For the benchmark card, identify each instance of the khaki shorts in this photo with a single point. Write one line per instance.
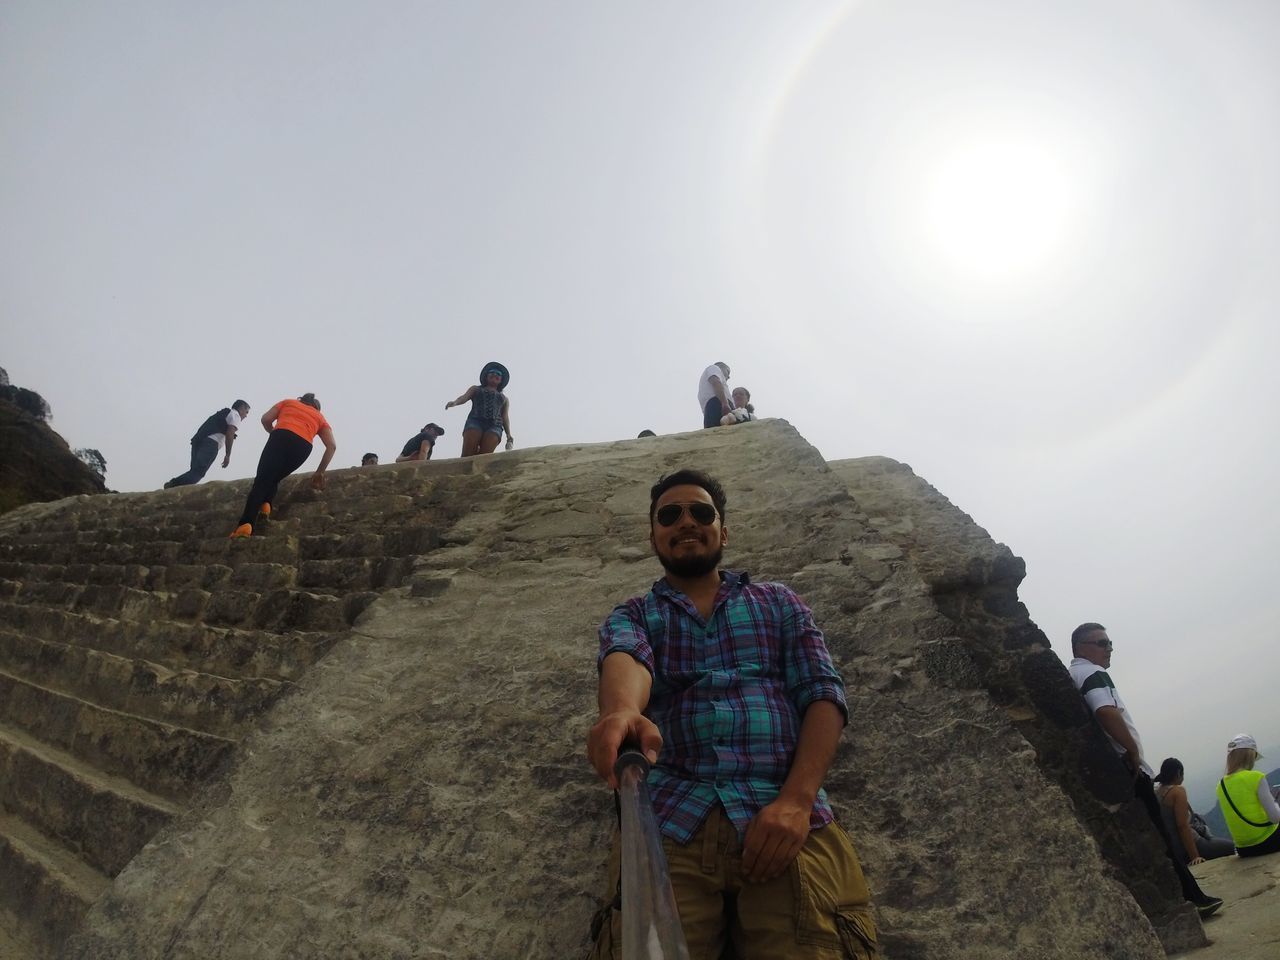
(817, 910)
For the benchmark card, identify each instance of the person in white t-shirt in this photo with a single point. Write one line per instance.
(713, 394)
(218, 429)
(1091, 657)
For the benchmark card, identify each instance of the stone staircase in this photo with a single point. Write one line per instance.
(138, 645)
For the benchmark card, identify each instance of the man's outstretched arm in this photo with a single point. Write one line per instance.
(624, 693)
(776, 834)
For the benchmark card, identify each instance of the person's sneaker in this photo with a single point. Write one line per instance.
(264, 512)
(246, 530)
(1207, 906)
(168, 484)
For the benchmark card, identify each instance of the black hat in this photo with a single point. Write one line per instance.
(495, 365)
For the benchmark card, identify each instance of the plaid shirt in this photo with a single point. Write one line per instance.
(728, 695)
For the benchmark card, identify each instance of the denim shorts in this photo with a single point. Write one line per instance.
(475, 423)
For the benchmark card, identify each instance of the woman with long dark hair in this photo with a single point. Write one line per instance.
(490, 411)
(1198, 844)
(293, 426)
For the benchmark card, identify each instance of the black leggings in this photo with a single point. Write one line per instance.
(283, 453)
(1145, 792)
(1269, 845)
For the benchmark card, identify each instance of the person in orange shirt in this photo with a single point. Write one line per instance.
(293, 425)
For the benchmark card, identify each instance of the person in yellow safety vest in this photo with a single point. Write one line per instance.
(1248, 802)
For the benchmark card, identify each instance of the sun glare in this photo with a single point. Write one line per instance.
(995, 210)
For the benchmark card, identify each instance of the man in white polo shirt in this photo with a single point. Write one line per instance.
(219, 428)
(1091, 656)
(713, 395)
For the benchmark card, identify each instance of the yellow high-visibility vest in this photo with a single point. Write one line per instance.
(1248, 826)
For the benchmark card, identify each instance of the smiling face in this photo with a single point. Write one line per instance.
(687, 547)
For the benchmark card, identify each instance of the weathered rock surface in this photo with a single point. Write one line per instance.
(1248, 925)
(36, 464)
(422, 792)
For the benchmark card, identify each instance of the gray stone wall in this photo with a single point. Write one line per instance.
(423, 790)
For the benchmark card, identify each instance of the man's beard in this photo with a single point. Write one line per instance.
(691, 566)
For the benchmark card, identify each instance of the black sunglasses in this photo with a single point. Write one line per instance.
(704, 513)
(1104, 644)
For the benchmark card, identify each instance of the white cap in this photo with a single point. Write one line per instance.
(1242, 741)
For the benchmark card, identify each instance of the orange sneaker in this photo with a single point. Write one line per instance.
(244, 530)
(265, 510)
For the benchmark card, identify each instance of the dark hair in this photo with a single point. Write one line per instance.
(1170, 771)
(436, 427)
(310, 400)
(694, 478)
(367, 457)
(645, 433)
(1079, 632)
(241, 403)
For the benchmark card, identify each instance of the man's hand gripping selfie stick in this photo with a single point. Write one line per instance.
(650, 922)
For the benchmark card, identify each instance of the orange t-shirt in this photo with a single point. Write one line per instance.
(297, 417)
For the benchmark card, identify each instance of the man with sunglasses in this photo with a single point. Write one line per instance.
(727, 686)
(1091, 657)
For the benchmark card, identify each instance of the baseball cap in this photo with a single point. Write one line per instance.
(1242, 741)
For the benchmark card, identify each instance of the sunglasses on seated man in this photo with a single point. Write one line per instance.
(1104, 644)
(703, 513)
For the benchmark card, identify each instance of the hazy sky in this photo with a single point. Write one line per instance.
(1029, 250)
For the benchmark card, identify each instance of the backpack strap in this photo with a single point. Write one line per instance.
(1223, 785)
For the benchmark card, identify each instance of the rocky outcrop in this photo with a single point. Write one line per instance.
(36, 464)
(361, 734)
(996, 648)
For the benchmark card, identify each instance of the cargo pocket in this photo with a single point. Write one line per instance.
(857, 933)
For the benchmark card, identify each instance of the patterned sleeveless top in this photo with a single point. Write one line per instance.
(486, 405)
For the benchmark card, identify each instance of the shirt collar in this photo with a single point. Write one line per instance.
(728, 579)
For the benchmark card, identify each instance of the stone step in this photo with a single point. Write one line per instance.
(200, 701)
(44, 889)
(225, 651)
(161, 757)
(104, 820)
(99, 551)
(214, 547)
(354, 573)
(282, 607)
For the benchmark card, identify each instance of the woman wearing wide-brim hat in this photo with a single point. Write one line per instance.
(490, 411)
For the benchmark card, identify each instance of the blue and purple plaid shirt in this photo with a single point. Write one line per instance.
(728, 695)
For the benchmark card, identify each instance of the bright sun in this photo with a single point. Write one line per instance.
(995, 211)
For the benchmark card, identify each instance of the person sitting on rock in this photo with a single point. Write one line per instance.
(421, 445)
(727, 687)
(369, 460)
(1180, 819)
(742, 409)
(1248, 802)
(218, 428)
